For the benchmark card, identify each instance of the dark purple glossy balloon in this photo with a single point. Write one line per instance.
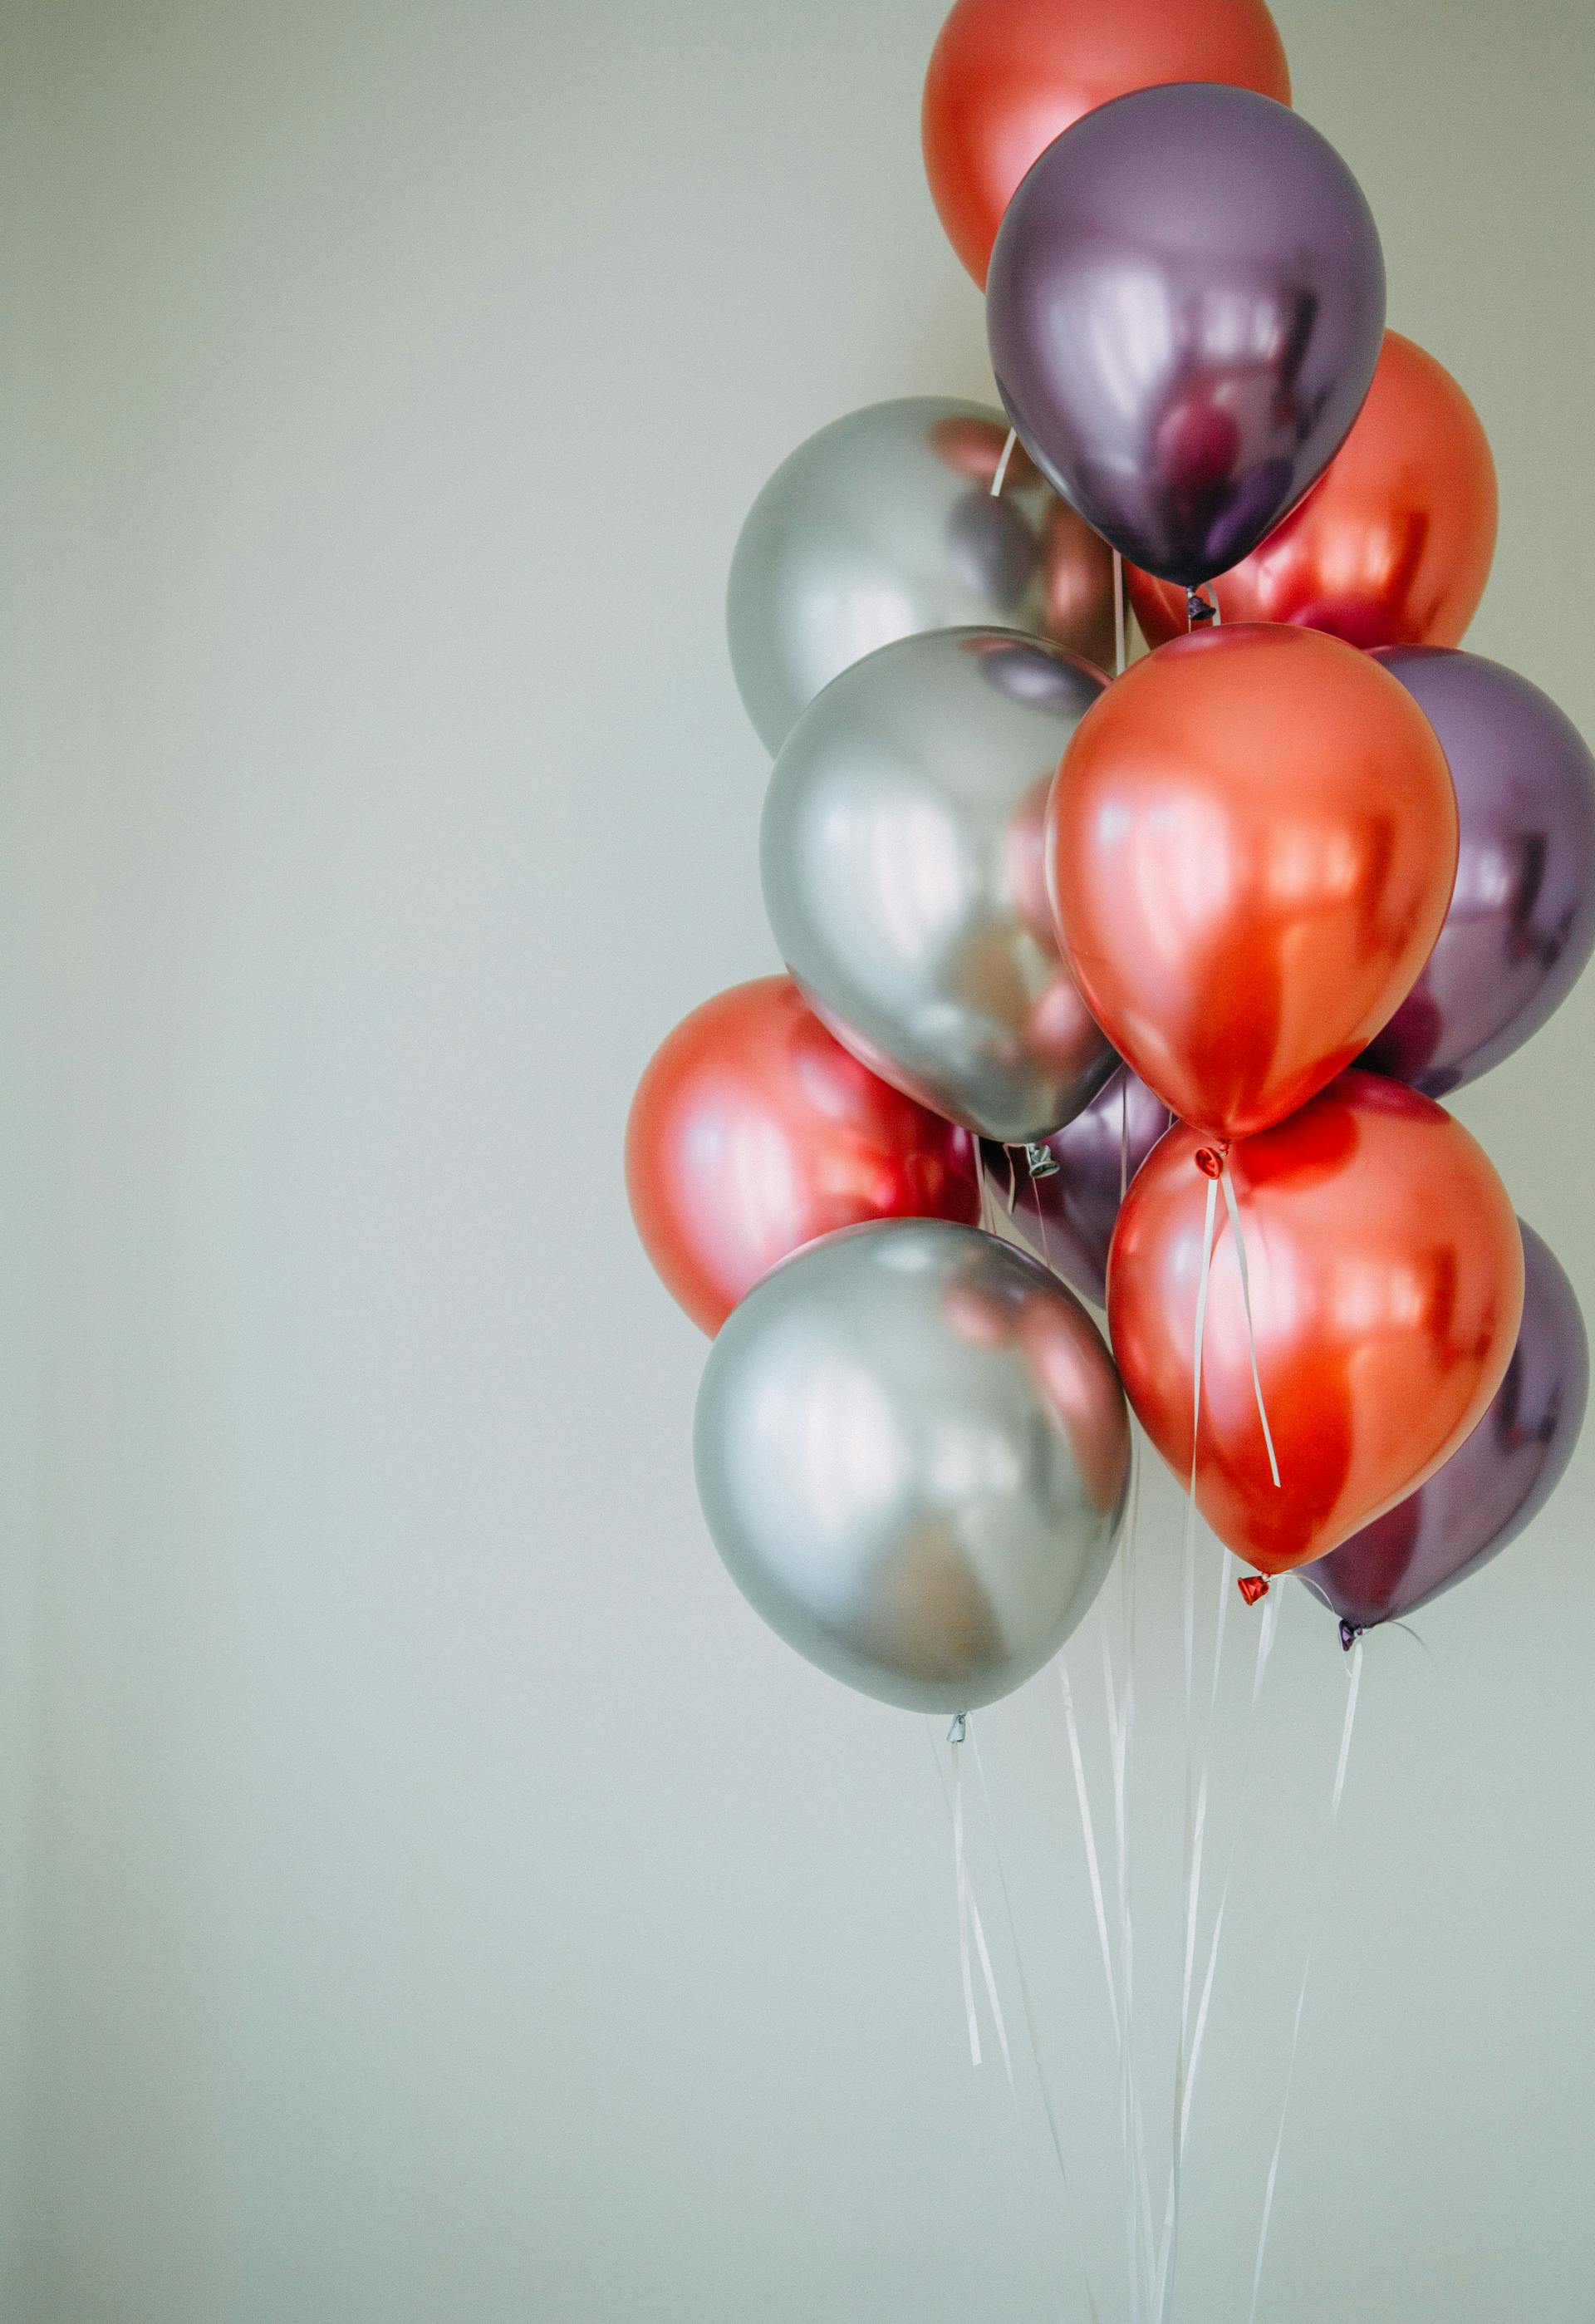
(1185, 305)
(1522, 918)
(1068, 1217)
(1499, 1478)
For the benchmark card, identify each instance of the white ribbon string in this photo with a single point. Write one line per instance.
(1133, 2131)
(1027, 2010)
(1093, 1862)
(961, 1885)
(1272, 2180)
(1170, 2242)
(1251, 1338)
(1267, 1630)
(980, 1176)
(1041, 1223)
(1118, 656)
(1001, 477)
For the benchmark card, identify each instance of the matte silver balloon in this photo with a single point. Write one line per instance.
(904, 866)
(911, 1450)
(883, 525)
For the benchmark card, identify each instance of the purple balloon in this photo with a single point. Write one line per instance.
(1499, 1478)
(1186, 304)
(1068, 1216)
(1522, 918)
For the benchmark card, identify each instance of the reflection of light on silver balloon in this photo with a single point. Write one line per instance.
(881, 526)
(835, 631)
(902, 866)
(912, 1449)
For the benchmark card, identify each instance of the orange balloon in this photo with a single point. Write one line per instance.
(1392, 547)
(1386, 1285)
(1251, 845)
(753, 1131)
(1009, 76)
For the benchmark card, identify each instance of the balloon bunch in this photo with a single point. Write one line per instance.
(1196, 949)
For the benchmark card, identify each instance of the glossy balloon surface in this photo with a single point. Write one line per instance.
(1252, 844)
(904, 867)
(1009, 76)
(1386, 1286)
(911, 1450)
(884, 525)
(753, 1131)
(1494, 1484)
(1392, 546)
(1185, 309)
(1521, 923)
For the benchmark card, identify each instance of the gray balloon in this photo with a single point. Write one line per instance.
(883, 525)
(911, 1450)
(903, 857)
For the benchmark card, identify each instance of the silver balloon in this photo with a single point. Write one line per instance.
(904, 865)
(911, 1450)
(884, 525)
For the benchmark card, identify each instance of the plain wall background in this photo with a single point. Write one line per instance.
(428, 1892)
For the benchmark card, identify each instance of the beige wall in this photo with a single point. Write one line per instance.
(427, 1891)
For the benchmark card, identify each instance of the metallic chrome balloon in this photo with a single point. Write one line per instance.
(883, 525)
(903, 858)
(911, 1450)
(1497, 1480)
(1521, 923)
(1185, 307)
(1067, 1213)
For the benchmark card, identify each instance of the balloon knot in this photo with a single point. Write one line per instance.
(1199, 609)
(1253, 1586)
(1040, 1160)
(1210, 1160)
(1349, 1637)
(959, 1729)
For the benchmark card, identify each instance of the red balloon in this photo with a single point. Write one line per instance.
(1392, 546)
(1387, 1284)
(1009, 76)
(1252, 842)
(753, 1131)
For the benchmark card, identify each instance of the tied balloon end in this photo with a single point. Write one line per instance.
(959, 1731)
(1199, 610)
(1210, 1159)
(1348, 1636)
(1253, 1586)
(1040, 1160)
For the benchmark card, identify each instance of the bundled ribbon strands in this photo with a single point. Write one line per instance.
(1126, 981)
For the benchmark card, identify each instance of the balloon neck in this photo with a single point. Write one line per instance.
(1040, 1160)
(1210, 1159)
(1253, 1586)
(1349, 1637)
(959, 1729)
(1199, 610)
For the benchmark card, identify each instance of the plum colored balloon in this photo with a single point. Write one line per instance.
(1521, 920)
(1185, 309)
(1387, 1287)
(753, 1131)
(1068, 1216)
(903, 860)
(1009, 76)
(911, 1450)
(1252, 840)
(884, 525)
(1493, 1484)
(1392, 546)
